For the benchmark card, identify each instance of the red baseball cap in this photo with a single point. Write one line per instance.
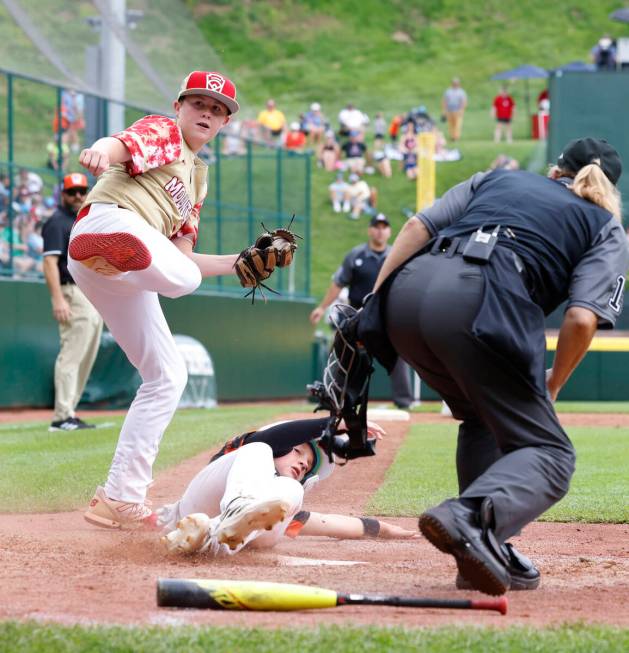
(213, 84)
(75, 180)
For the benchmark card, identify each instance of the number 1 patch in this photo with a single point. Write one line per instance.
(616, 298)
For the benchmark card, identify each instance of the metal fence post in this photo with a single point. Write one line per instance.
(217, 202)
(279, 207)
(308, 220)
(59, 137)
(249, 192)
(11, 163)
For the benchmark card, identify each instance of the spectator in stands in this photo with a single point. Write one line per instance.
(232, 142)
(330, 152)
(22, 262)
(394, 127)
(52, 149)
(72, 104)
(30, 181)
(5, 184)
(361, 197)
(315, 125)
(453, 105)
(408, 147)
(382, 158)
(503, 110)
(379, 130)
(351, 119)
(354, 150)
(80, 325)
(339, 194)
(604, 53)
(295, 139)
(272, 123)
(421, 119)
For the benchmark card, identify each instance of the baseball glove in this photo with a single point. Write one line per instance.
(256, 263)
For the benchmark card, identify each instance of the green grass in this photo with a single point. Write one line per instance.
(44, 471)
(423, 474)
(37, 638)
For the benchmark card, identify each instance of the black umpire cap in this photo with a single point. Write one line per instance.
(583, 151)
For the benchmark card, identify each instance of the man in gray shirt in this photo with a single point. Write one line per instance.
(453, 106)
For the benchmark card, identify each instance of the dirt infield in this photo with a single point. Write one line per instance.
(55, 567)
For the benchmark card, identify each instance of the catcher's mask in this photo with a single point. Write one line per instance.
(344, 390)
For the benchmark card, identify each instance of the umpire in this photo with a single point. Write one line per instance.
(80, 325)
(478, 271)
(358, 272)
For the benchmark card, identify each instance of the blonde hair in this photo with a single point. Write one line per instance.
(592, 184)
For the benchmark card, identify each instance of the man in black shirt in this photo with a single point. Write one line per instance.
(358, 272)
(80, 325)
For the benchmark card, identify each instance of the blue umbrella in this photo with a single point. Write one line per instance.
(621, 15)
(575, 67)
(525, 72)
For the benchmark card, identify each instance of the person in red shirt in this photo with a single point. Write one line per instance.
(295, 138)
(502, 110)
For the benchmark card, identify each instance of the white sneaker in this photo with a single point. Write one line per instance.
(193, 533)
(346, 207)
(337, 206)
(244, 515)
(109, 513)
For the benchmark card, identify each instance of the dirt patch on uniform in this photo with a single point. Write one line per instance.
(56, 567)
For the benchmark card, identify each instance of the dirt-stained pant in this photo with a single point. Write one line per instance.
(80, 339)
(129, 304)
(248, 471)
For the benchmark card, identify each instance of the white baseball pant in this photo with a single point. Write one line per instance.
(247, 471)
(130, 307)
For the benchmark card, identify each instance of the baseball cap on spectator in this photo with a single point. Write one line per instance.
(379, 219)
(353, 178)
(74, 180)
(315, 106)
(211, 84)
(583, 151)
(294, 126)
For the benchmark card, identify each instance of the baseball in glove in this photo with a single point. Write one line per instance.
(256, 263)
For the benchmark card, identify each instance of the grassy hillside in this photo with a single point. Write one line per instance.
(383, 56)
(390, 57)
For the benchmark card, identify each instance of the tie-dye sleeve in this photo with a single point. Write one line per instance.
(152, 141)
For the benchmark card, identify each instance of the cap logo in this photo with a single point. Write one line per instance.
(76, 178)
(214, 82)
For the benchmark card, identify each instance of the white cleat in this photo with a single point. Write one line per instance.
(244, 515)
(193, 533)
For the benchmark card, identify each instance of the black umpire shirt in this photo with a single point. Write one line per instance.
(359, 271)
(56, 235)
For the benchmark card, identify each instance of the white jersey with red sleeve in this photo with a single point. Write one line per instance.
(164, 182)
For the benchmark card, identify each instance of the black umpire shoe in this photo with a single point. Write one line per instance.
(524, 574)
(458, 530)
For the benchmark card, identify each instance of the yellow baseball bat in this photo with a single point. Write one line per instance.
(215, 594)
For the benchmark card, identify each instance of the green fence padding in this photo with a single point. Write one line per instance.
(262, 351)
(591, 104)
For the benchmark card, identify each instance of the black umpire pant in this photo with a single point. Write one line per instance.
(511, 446)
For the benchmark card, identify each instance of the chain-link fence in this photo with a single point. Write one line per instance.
(43, 127)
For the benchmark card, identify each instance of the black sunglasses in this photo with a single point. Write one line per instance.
(73, 192)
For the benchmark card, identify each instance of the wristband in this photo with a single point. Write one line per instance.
(371, 527)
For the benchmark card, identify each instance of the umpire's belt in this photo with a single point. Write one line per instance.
(455, 246)
(448, 246)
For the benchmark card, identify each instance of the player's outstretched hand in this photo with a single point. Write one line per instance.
(94, 160)
(393, 532)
